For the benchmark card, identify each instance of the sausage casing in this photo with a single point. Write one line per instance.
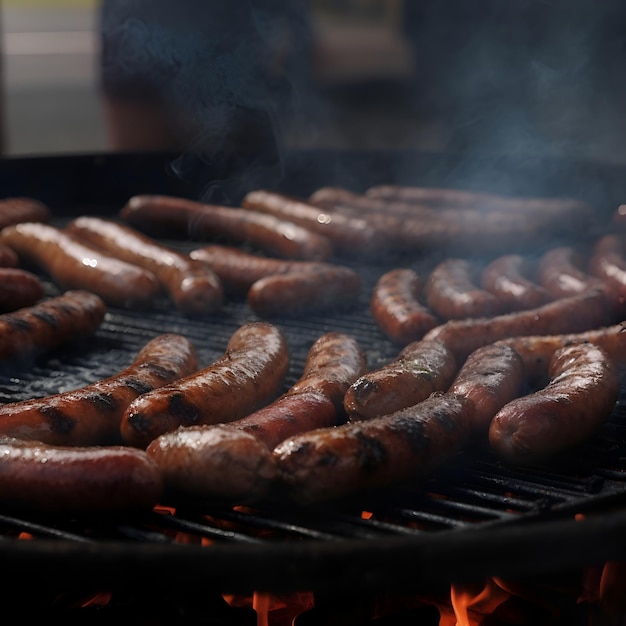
(21, 209)
(561, 271)
(19, 288)
(247, 376)
(92, 414)
(581, 394)
(420, 369)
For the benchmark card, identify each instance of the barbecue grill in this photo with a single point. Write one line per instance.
(472, 519)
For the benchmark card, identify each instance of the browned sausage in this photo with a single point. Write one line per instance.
(73, 265)
(35, 476)
(452, 291)
(50, 323)
(607, 262)
(350, 235)
(328, 463)
(324, 288)
(8, 257)
(581, 394)
(247, 376)
(420, 369)
(561, 272)
(509, 279)
(92, 414)
(585, 311)
(233, 461)
(239, 270)
(166, 215)
(193, 286)
(491, 376)
(396, 307)
(19, 288)
(17, 210)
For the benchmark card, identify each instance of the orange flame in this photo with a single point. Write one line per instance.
(470, 604)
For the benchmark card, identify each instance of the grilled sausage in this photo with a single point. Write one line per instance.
(92, 415)
(239, 270)
(194, 287)
(73, 265)
(452, 291)
(233, 461)
(508, 278)
(100, 480)
(19, 288)
(31, 331)
(17, 210)
(590, 309)
(244, 378)
(420, 369)
(349, 235)
(607, 262)
(491, 376)
(397, 309)
(561, 272)
(329, 463)
(8, 257)
(581, 394)
(166, 215)
(326, 287)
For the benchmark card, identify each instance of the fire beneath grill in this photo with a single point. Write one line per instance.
(475, 542)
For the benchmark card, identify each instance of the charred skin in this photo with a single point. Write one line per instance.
(330, 463)
(396, 307)
(452, 291)
(97, 480)
(19, 288)
(193, 286)
(561, 272)
(490, 377)
(607, 262)
(92, 414)
(73, 265)
(420, 369)
(164, 215)
(581, 394)
(326, 287)
(591, 309)
(349, 234)
(246, 377)
(50, 323)
(233, 461)
(239, 270)
(17, 210)
(508, 278)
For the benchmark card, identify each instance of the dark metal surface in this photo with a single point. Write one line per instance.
(473, 518)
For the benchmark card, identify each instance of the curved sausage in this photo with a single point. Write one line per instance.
(166, 215)
(491, 376)
(561, 272)
(8, 257)
(22, 209)
(19, 288)
(452, 291)
(590, 309)
(349, 235)
(328, 463)
(244, 378)
(233, 461)
(326, 287)
(607, 262)
(73, 265)
(397, 309)
(92, 414)
(194, 287)
(239, 270)
(581, 394)
(508, 278)
(420, 369)
(35, 476)
(50, 323)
